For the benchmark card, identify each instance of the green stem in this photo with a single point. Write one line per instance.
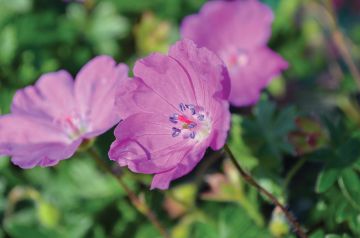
(299, 231)
(137, 202)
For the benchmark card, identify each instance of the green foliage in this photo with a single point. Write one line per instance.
(313, 167)
(226, 223)
(266, 132)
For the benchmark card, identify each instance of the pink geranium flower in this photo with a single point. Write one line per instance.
(174, 109)
(238, 32)
(49, 121)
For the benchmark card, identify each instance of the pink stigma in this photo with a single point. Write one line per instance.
(184, 119)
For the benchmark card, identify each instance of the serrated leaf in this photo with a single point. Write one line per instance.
(238, 146)
(268, 130)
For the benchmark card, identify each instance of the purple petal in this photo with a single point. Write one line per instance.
(221, 124)
(144, 143)
(212, 84)
(185, 166)
(51, 98)
(242, 23)
(166, 78)
(207, 81)
(32, 142)
(248, 81)
(188, 81)
(95, 89)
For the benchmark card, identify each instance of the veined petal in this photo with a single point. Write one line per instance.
(52, 97)
(32, 142)
(95, 89)
(166, 78)
(175, 107)
(207, 81)
(145, 144)
(44, 155)
(185, 166)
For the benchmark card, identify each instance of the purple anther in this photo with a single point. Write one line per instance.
(201, 117)
(174, 118)
(192, 135)
(192, 125)
(175, 132)
(182, 107)
(191, 108)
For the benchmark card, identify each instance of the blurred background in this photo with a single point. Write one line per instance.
(301, 141)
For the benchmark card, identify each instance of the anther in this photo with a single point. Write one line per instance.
(175, 132)
(174, 118)
(192, 135)
(201, 117)
(182, 107)
(192, 125)
(191, 108)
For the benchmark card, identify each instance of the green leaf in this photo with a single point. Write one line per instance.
(347, 154)
(267, 132)
(24, 222)
(8, 45)
(326, 179)
(317, 234)
(229, 222)
(349, 183)
(49, 215)
(238, 146)
(147, 231)
(6, 96)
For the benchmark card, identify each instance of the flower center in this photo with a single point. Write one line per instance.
(73, 126)
(235, 58)
(192, 123)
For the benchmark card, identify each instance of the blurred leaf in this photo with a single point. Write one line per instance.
(231, 188)
(349, 182)
(8, 45)
(6, 96)
(268, 132)
(348, 153)
(9, 8)
(49, 215)
(238, 146)
(317, 234)
(152, 34)
(147, 231)
(326, 179)
(228, 223)
(106, 27)
(24, 223)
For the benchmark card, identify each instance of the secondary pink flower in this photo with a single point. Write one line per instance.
(49, 121)
(238, 32)
(175, 108)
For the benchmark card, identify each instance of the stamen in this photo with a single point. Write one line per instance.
(192, 125)
(174, 118)
(175, 132)
(191, 108)
(182, 107)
